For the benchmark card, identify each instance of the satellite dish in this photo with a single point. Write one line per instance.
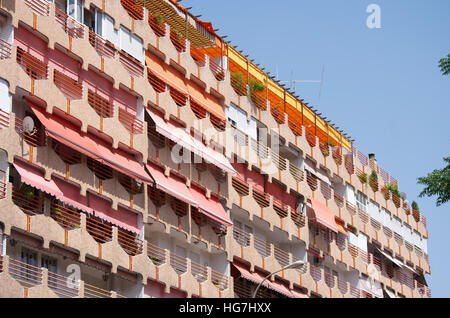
(28, 125)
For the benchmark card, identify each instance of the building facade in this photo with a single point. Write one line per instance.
(142, 155)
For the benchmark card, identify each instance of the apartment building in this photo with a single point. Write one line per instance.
(142, 155)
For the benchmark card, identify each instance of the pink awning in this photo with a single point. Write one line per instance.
(34, 178)
(70, 135)
(324, 215)
(210, 207)
(173, 186)
(185, 140)
(121, 217)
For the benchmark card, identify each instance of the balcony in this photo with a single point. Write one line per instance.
(28, 281)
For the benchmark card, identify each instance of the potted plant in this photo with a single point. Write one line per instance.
(237, 82)
(363, 178)
(373, 181)
(395, 193)
(415, 211)
(156, 22)
(386, 193)
(27, 191)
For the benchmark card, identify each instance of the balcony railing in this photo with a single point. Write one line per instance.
(156, 254)
(99, 231)
(131, 64)
(39, 7)
(103, 47)
(134, 10)
(91, 291)
(30, 203)
(158, 26)
(72, 27)
(178, 263)
(4, 119)
(62, 287)
(130, 243)
(5, 50)
(199, 272)
(34, 67)
(178, 41)
(242, 238)
(101, 105)
(134, 125)
(26, 274)
(67, 217)
(71, 88)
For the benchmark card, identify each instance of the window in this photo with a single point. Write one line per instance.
(75, 9)
(30, 259)
(361, 200)
(350, 194)
(49, 263)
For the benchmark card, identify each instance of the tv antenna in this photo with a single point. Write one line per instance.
(292, 82)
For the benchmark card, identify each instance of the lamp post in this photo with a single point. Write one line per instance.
(296, 264)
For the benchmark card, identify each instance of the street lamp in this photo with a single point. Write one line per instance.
(296, 264)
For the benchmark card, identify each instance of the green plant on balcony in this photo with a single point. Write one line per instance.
(395, 193)
(177, 40)
(373, 180)
(415, 211)
(237, 82)
(254, 86)
(329, 143)
(159, 19)
(27, 191)
(363, 178)
(386, 193)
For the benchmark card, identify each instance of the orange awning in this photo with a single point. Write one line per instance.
(341, 228)
(323, 215)
(176, 80)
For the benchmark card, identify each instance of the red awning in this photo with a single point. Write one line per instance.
(298, 294)
(121, 217)
(259, 277)
(72, 195)
(211, 207)
(173, 186)
(280, 288)
(70, 135)
(34, 178)
(253, 277)
(323, 215)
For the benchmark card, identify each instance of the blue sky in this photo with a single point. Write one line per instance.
(381, 86)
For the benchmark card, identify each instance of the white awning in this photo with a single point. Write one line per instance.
(390, 294)
(395, 261)
(185, 140)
